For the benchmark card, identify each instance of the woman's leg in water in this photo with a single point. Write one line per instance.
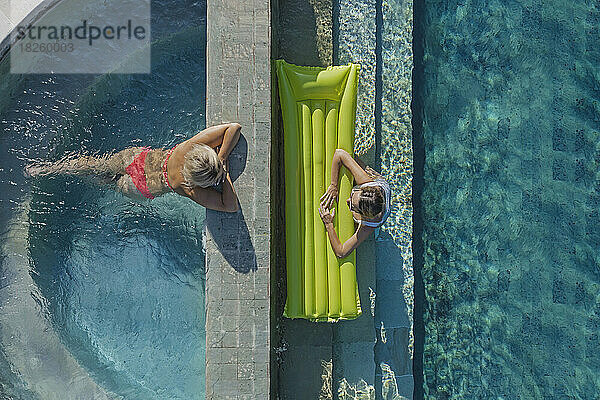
(69, 165)
(107, 168)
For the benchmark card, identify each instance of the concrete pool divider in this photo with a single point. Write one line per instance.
(238, 88)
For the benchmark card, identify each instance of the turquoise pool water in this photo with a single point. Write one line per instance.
(111, 291)
(510, 201)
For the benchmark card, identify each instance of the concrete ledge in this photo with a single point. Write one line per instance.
(237, 245)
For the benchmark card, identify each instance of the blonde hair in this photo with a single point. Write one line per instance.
(202, 167)
(370, 203)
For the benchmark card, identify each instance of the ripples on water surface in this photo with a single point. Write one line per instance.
(511, 196)
(120, 282)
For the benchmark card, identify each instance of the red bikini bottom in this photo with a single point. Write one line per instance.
(138, 175)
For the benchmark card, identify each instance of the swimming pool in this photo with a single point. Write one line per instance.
(102, 296)
(510, 199)
(370, 357)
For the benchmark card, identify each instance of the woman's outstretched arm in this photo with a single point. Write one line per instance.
(340, 249)
(341, 157)
(226, 136)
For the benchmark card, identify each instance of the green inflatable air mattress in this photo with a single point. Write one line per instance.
(319, 109)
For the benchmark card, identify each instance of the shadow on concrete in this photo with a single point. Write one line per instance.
(229, 230)
(238, 158)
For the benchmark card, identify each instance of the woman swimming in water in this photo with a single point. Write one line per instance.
(193, 168)
(369, 202)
